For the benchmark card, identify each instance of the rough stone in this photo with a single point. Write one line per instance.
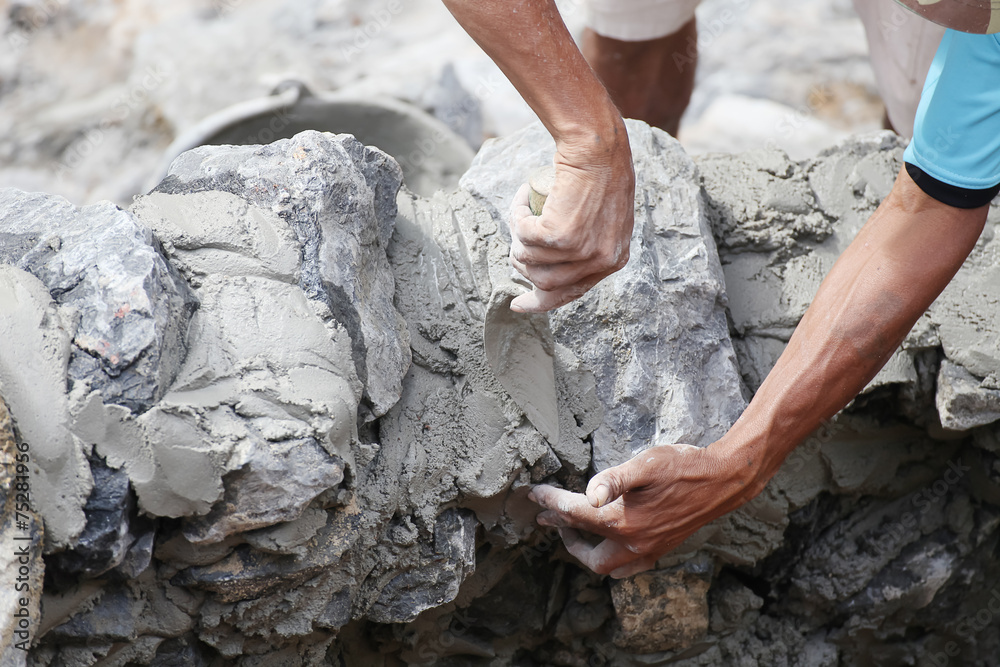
(100, 263)
(339, 199)
(456, 107)
(435, 581)
(662, 610)
(634, 330)
(962, 401)
(112, 617)
(108, 535)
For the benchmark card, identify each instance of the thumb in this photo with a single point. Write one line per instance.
(540, 301)
(610, 484)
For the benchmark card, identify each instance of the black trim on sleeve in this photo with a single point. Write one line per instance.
(952, 195)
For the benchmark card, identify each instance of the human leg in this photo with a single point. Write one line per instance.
(645, 54)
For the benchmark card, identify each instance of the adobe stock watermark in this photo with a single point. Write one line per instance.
(22, 560)
(968, 627)
(426, 147)
(898, 17)
(124, 106)
(31, 19)
(796, 119)
(377, 20)
(708, 31)
(459, 625)
(895, 533)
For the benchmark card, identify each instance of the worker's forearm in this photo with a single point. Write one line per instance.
(528, 40)
(900, 261)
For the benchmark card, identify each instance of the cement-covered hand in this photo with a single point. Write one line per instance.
(583, 233)
(644, 507)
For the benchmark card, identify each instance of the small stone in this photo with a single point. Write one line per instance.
(962, 402)
(436, 580)
(106, 538)
(275, 486)
(540, 182)
(661, 610)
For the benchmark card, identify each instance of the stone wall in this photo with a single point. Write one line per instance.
(264, 429)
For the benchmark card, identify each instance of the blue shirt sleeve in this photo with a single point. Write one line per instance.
(956, 136)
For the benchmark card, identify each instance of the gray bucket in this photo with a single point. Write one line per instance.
(432, 156)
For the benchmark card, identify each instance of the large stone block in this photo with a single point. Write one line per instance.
(339, 199)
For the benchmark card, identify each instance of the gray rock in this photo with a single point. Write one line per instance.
(436, 579)
(106, 539)
(965, 315)
(112, 618)
(454, 106)
(852, 563)
(138, 557)
(962, 401)
(634, 330)
(184, 651)
(780, 226)
(339, 198)
(99, 261)
(274, 486)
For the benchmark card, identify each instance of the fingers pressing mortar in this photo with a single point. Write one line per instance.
(606, 557)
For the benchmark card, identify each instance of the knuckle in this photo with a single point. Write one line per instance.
(566, 243)
(544, 281)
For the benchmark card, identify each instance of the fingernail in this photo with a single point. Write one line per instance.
(602, 492)
(532, 497)
(525, 303)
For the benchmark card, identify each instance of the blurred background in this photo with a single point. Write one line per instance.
(93, 93)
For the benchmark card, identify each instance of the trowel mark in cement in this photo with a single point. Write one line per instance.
(519, 348)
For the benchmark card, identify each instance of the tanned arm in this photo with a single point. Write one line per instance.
(584, 232)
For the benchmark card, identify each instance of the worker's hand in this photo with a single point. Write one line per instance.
(646, 506)
(583, 233)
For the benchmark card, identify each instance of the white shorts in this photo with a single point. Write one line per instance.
(901, 46)
(638, 20)
(900, 43)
